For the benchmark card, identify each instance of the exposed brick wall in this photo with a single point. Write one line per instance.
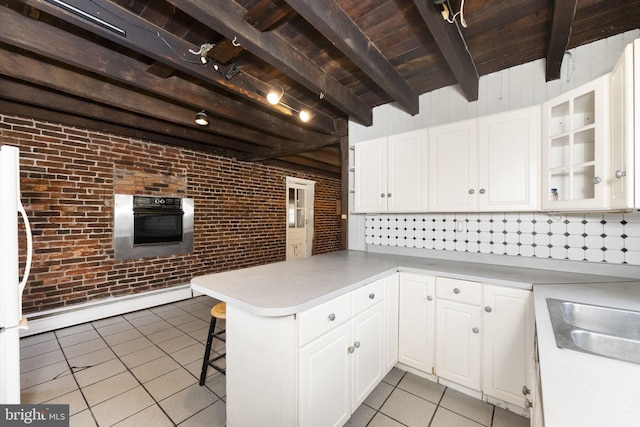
(69, 177)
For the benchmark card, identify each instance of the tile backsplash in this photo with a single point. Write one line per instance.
(610, 238)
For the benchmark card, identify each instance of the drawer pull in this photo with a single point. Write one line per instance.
(525, 390)
(487, 309)
(528, 404)
(456, 290)
(372, 295)
(475, 330)
(332, 317)
(429, 298)
(356, 344)
(351, 349)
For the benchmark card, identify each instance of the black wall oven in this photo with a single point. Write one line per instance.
(152, 226)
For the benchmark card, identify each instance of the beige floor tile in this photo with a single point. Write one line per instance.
(80, 337)
(151, 416)
(177, 343)
(194, 325)
(168, 333)
(148, 319)
(131, 346)
(91, 359)
(142, 356)
(170, 383)
(108, 321)
(213, 416)
(154, 369)
(39, 348)
(122, 406)
(361, 417)
(446, 418)
(467, 406)
(37, 362)
(82, 419)
(408, 409)
(189, 354)
(84, 348)
(188, 402)
(137, 314)
(114, 328)
(37, 339)
(110, 387)
(158, 326)
(422, 387)
(127, 335)
(99, 372)
(394, 376)
(504, 418)
(381, 420)
(44, 374)
(379, 395)
(75, 400)
(50, 390)
(182, 319)
(72, 330)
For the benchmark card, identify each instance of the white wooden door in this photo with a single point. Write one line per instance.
(508, 153)
(417, 321)
(453, 167)
(407, 172)
(324, 397)
(300, 196)
(370, 176)
(508, 335)
(367, 352)
(621, 178)
(459, 343)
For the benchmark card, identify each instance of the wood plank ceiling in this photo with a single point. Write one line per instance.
(135, 68)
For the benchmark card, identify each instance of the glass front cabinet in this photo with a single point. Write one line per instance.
(574, 149)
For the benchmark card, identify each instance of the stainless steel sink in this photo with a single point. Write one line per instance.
(604, 331)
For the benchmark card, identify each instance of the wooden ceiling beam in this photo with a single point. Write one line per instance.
(160, 45)
(563, 14)
(56, 44)
(267, 14)
(227, 18)
(334, 24)
(453, 48)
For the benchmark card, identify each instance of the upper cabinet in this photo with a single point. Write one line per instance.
(624, 114)
(574, 148)
(488, 165)
(391, 173)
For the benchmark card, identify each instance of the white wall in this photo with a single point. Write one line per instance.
(510, 89)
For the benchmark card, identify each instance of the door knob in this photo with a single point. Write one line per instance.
(487, 309)
(620, 174)
(332, 317)
(372, 295)
(475, 330)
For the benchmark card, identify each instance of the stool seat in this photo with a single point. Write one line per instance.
(218, 311)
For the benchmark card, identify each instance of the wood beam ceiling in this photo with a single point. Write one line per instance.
(563, 14)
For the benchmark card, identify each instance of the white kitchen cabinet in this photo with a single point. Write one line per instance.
(574, 158)
(391, 173)
(458, 332)
(487, 164)
(508, 336)
(624, 129)
(367, 353)
(417, 321)
(391, 295)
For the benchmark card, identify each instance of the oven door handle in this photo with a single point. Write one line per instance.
(147, 211)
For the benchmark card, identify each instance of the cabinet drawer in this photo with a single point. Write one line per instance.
(459, 290)
(322, 318)
(366, 296)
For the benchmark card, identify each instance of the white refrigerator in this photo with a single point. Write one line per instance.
(11, 288)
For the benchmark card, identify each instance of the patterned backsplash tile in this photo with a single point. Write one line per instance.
(611, 238)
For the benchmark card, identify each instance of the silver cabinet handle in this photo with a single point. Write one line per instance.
(429, 298)
(356, 344)
(351, 349)
(332, 317)
(388, 194)
(525, 390)
(475, 330)
(472, 191)
(620, 174)
(372, 295)
(528, 404)
(382, 195)
(487, 309)
(482, 191)
(456, 291)
(597, 180)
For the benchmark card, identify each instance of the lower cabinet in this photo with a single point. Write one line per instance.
(416, 321)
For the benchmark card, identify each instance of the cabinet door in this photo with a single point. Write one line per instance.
(508, 147)
(417, 321)
(574, 163)
(621, 173)
(453, 167)
(324, 397)
(391, 289)
(508, 335)
(459, 343)
(366, 352)
(407, 172)
(370, 176)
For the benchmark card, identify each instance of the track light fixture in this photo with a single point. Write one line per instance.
(201, 118)
(275, 95)
(304, 116)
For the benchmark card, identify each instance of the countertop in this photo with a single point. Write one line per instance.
(581, 389)
(288, 287)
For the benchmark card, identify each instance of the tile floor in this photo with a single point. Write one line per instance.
(141, 369)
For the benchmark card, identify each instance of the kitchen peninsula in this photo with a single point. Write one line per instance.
(284, 317)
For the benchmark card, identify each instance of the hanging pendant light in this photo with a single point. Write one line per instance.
(201, 118)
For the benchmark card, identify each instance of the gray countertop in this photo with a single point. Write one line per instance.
(288, 287)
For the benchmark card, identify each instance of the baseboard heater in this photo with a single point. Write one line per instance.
(69, 316)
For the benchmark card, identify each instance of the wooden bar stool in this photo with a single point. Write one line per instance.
(219, 311)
